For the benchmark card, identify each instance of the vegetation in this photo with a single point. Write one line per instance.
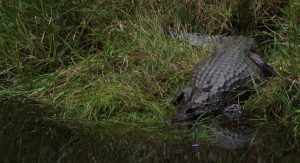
(109, 61)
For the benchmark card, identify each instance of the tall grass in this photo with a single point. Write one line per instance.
(110, 60)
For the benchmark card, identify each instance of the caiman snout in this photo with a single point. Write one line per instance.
(185, 113)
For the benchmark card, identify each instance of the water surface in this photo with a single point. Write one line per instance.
(29, 133)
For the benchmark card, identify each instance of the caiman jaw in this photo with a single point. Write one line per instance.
(177, 119)
(185, 114)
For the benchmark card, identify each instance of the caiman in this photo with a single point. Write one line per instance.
(219, 83)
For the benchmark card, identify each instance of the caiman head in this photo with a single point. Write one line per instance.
(187, 112)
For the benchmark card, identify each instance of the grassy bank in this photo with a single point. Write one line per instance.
(104, 61)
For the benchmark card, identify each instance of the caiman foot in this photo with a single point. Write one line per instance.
(184, 95)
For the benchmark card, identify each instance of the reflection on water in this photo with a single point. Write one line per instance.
(29, 135)
(233, 135)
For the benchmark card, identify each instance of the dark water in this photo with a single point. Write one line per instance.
(28, 134)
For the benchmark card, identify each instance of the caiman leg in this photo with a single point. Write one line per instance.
(233, 111)
(258, 60)
(185, 95)
(197, 39)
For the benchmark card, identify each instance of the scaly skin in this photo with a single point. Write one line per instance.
(218, 83)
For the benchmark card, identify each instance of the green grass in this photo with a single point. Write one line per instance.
(110, 61)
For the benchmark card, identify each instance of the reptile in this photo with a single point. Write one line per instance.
(219, 83)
